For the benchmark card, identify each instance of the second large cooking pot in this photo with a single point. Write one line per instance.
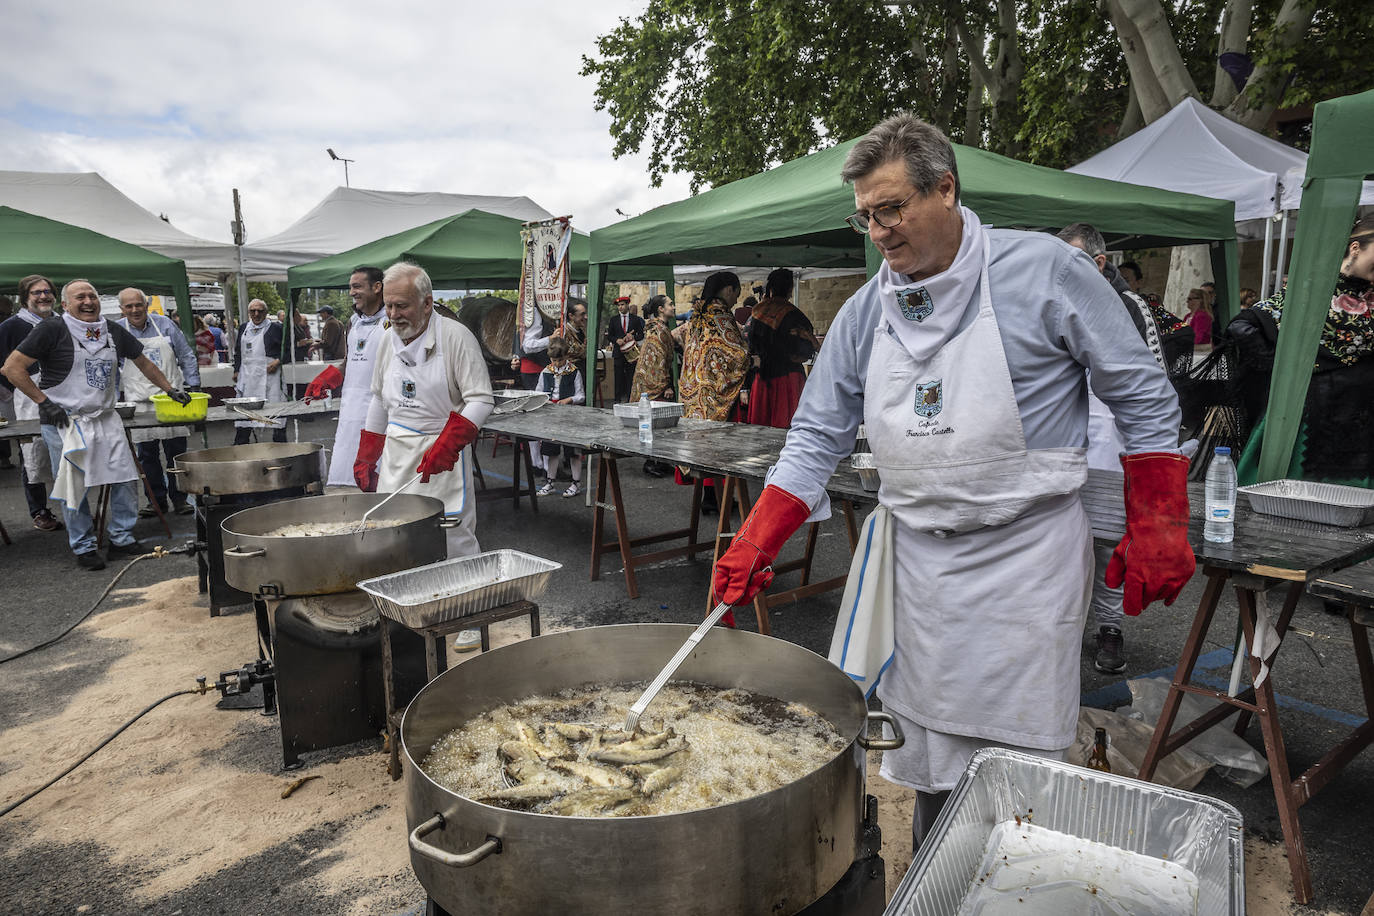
(257, 561)
(238, 469)
(773, 854)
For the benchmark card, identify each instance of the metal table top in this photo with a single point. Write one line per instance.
(145, 419)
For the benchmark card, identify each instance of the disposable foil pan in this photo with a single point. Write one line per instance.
(665, 413)
(868, 472)
(450, 589)
(1312, 501)
(1198, 833)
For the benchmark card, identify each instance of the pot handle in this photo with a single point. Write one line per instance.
(882, 744)
(455, 859)
(274, 467)
(174, 470)
(244, 554)
(446, 522)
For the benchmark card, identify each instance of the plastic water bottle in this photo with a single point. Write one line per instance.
(1221, 498)
(646, 420)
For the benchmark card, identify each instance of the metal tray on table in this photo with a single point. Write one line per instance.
(665, 414)
(1076, 841)
(1313, 501)
(450, 589)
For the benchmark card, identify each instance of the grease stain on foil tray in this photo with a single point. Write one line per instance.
(1035, 870)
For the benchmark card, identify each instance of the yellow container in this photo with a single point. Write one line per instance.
(168, 411)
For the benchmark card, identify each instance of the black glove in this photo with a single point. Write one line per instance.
(53, 415)
(181, 397)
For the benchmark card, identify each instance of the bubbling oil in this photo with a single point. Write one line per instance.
(739, 744)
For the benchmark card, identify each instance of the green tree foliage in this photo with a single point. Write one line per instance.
(722, 89)
(267, 292)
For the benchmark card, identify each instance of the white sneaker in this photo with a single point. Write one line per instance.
(545, 490)
(467, 640)
(572, 490)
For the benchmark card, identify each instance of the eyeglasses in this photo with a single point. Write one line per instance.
(888, 217)
(42, 294)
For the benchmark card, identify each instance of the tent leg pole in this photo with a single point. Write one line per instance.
(1268, 255)
(1282, 253)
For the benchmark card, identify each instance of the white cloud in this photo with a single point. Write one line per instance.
(177, 103)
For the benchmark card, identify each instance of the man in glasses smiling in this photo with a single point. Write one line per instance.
(965, 359)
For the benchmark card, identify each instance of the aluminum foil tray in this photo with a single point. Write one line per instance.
(450, 589)
(665, 413)
(1311, 501)
(1169, 827)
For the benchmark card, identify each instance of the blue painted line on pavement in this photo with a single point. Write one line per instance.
(1119, 693)
(500, 477)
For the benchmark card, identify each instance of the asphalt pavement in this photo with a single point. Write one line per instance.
(42, 592)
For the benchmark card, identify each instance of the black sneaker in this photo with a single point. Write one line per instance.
(131, 549)
(184, 508)
(150, 512)
(1111, 646)
(91, 560)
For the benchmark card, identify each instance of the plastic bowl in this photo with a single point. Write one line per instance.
(168, 411)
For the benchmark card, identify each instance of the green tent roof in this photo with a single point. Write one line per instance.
(32, 244)
(472, 248)
(793, 215)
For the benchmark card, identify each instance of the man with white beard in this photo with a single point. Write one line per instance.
(257, 370)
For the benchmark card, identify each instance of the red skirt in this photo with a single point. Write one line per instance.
(772, 402)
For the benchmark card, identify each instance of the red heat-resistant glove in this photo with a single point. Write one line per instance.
(370, 447)
(743, 570)
(1153, 559)
(323, 385)
(458, 433)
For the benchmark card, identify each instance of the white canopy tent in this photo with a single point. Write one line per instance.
(1200, 151)
(87, 200)
(350, 217)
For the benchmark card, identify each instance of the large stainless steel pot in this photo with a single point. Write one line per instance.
(772, 854)
(256, 561)
(239, 469)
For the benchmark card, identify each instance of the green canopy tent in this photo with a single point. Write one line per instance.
(1342, 157)
(472, 248)
(793, 215)
(32, 244)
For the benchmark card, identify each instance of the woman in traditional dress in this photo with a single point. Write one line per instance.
(654, 370)
(782, 340)
(715, 356)
(1336, 438)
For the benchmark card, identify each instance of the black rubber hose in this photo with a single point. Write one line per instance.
(103, 595)
(91, 753)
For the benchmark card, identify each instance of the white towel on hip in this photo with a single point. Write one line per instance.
(69, 479)
(863, 643)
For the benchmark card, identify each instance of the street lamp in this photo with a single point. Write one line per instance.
(337, 158)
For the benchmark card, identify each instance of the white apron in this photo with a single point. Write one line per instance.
(137, 387)
(364, 334)
(94, 450)
(37, 464)
(254, 382)
(417, 407)
(992, 555)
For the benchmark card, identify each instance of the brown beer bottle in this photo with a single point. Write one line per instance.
(1097, 760)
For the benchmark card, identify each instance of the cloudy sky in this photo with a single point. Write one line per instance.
(176, 103)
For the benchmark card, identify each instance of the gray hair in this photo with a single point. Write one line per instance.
(405, 270)
(927, 152)
(143, 297)
(1086, 236)
(70, 283)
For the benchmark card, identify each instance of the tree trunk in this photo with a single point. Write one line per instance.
(1255, 106)
(1144, 84)
(1132, 120)
(973, 113)
(1010, 67)
(1235, 36)
(949, 76)
(1160, 47)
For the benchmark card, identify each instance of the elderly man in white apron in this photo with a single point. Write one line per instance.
(37, 296)
(164, 344)
(964, 357)
(431, 392)
(257, 370)
(78, 357)
(365, 334)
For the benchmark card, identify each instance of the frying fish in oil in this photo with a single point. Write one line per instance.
(567, 754)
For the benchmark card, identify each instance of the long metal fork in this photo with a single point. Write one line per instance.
(641, 704)
(362, 526)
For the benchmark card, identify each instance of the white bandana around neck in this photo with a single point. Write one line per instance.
(90, 334)
(926, 314)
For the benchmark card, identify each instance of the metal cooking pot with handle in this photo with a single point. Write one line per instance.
(238, 469)
(773, 854)
(257, 561)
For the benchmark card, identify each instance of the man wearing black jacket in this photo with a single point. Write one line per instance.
(37, 297)
(623, 330)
